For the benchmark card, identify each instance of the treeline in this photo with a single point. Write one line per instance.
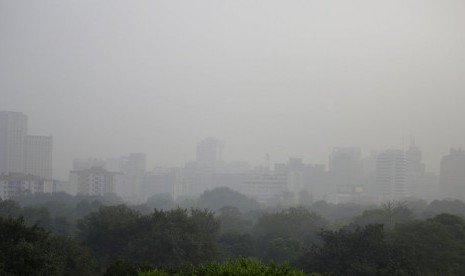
(64, 235)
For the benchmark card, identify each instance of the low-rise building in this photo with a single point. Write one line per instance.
(18, 184)
(94, 181)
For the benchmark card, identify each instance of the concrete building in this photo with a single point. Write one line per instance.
(266, 188)
(130, 177)
(413, 157)
(133, 173)
(18, 184)
(95, 181)
(452, 174)
(13, 132)
(39, 156)
(420, 184)
(390, 177)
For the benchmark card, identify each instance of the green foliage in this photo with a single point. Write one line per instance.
(108, 231)
(282, 236)
(176, 237)
(33, 251)
(364, 251)
(166, 238)
(71, 258)
(9, 208)
(240, 266)
(436, 207)
(434, 246)
(125, 268)
(233, 221)
(233, 245)
(389, 215)
(221, 197)
(23, 250)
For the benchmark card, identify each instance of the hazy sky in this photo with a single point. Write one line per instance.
(288, 78)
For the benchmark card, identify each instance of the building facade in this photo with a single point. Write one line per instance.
(17, 184)
(390, 177)
(95, 181)
(452, 175)
(39, 156)
(13, 132)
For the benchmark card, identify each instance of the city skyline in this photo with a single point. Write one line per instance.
(223, 148)
(267, 78)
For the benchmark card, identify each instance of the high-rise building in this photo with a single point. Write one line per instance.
(13, 132)
(391, 182)
(452, 174)
(39, 156)
(420, 184)
(413, 157)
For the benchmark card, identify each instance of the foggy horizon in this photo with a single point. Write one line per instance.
(292, 79)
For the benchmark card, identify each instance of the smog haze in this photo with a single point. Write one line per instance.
(283, 78)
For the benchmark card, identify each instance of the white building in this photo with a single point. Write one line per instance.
(17, 184)
(13, 131)
(266, 188)
(390, 176)
(39, 156)
(130, 178)
(93, 181)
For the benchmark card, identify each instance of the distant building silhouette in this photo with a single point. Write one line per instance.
(420, 184)
(21, 153)
(13, 132)
(452, 174)
(346, 172)
(414, 158)
(39, 156)
(209, 152)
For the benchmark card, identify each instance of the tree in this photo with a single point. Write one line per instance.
(108, 231)
(161, 238)
(220, 197)
(23, 250)
(234, 245)
(176, 237)
(30, 250)
(436, 207)
(240, 266)
(9, 208)
(389, 215)
(434, 246)
(293, 228)
(232, 221)
(363, 251)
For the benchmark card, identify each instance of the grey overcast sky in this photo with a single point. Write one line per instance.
(288, 78)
